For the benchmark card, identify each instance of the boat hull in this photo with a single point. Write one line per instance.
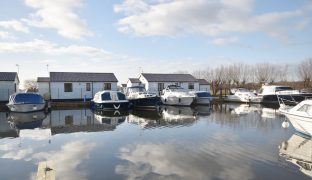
(273, 99)
(110, 106)
(148, 102)
(26, 107)
(233, 98)
(178, 101)
(302, 124)
(202, 101)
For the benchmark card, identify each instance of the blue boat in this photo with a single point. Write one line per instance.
(26, 102)
(109, 100)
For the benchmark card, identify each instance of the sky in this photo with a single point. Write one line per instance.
(127, 37)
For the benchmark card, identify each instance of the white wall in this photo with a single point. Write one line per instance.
(153, 86)
(129, 84)
(204, 88)
(79, 90)
(6, 89)
(43, 88)
(80, 117)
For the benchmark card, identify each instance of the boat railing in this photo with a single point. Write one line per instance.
(284, 101)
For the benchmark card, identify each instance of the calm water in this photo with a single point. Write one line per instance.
(231, 141)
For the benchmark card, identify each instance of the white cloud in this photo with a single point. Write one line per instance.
(49, 48)
(172, 17)
(60, 15)
(6, 35)
(225, 41)
(15, 25)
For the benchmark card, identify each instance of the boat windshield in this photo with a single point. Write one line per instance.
(203, 94)
(283, 88)
(106, 96)
(28, 98)
(121, 96)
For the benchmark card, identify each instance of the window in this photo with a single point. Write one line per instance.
(161, 86)
(68, 87)
(88, 87)
(106, 96)
(191, 86)
(121, 96)
(107, 86)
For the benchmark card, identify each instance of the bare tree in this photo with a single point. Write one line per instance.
(31, 85)
(264, 72)
(305, 72)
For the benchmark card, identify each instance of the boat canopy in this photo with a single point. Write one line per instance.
(27, 98)
(203, 94)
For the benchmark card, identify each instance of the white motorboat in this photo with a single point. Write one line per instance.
(176, 95)
(140, 98)
(202, 97)
(298, 150)
(271, 94)
(242, 95)
(26, 102)
(109, 100)
(300, 116)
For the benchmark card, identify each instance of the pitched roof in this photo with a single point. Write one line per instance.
(82, 77)
(134, 80)
(169, 77)
(8, 76)
(43, 79)
(203, 82)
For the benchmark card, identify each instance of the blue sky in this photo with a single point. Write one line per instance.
(154, 35)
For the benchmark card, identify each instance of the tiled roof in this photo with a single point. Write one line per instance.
(8, 76)
(169, 77)
(82, 77)
(203, 82)
(134, 80)
(43, 79)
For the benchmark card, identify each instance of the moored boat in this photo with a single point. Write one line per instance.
(271, 93)
(202, 97)
(26, 102)
(300, 116)
(139, 98)
(242, 95)
(109, 100)
(176, 95)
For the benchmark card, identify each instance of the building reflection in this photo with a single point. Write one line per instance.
(298, 150)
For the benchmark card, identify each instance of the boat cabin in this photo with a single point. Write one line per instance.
(109, 96)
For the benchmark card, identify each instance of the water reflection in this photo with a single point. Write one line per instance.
(298, 150)
(166, 116)
(226, 141)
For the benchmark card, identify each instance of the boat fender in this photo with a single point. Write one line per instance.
(165, 99)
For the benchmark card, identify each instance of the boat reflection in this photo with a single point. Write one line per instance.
(166, 116)
(29, 120)
(298, 150)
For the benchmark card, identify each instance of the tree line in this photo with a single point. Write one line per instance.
(252, 76)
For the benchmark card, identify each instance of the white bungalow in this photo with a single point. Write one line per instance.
(133, 82)
(9, 84)
(44, 87)
(204, 85)
(78, 85)
(157, 82)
